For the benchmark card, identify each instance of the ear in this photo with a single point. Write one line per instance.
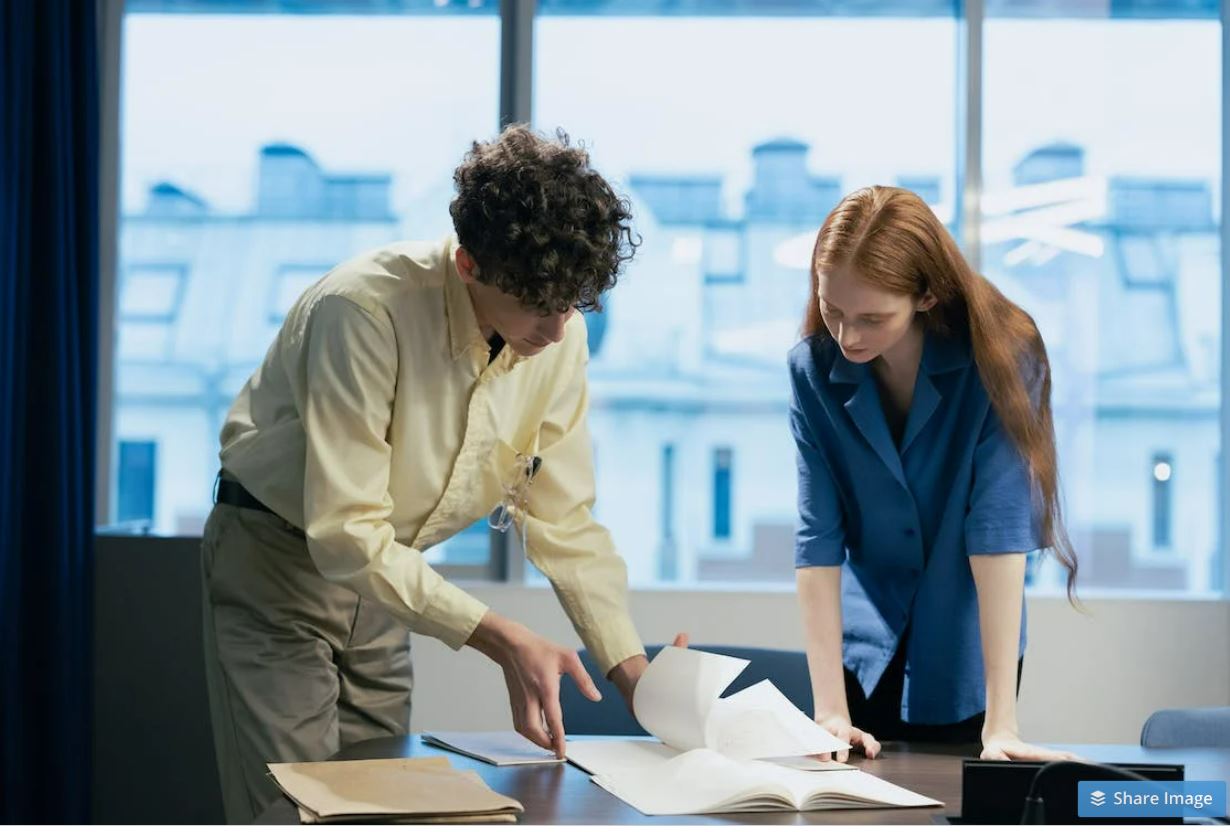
(926, 302)
(466, 267)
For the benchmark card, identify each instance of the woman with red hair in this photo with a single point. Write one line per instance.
(927, 470)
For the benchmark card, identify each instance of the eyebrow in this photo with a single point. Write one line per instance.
(830, 305)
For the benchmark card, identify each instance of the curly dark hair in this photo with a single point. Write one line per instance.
(541, 224)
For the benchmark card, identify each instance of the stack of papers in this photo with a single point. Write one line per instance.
(499, 748)
(745, 753)
(423, 790)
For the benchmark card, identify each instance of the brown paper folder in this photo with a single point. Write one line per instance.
(422, 790)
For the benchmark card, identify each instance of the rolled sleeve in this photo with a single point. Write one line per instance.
(346, 409)
(820, 538)
(1003, 516)
(566, 543)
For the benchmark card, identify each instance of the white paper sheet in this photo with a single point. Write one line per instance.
(706, 782)
(602, 756)
(676, 692)
(693, 783)
(806, 763)
(760, 722)
(677, 701)
(500, 748)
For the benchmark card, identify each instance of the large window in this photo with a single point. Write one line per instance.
(1102, 169)
(257, 152)
(734, 135)
(261, 149)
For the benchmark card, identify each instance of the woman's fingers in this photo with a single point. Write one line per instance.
(870, 745)
(1038, 753)
(846, 734)
(842, 731)
(1024, 751)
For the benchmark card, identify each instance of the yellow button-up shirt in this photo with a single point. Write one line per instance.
(378, 426)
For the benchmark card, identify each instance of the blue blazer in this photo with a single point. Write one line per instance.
(903, 521)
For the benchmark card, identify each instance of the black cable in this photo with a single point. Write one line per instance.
(1035, 806)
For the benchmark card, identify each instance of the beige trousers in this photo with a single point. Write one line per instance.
(297, 666)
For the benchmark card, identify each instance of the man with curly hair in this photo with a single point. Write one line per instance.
(409, 393)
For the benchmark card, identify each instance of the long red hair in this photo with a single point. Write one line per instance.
(890, 237)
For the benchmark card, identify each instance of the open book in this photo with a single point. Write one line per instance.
(705, 782)
(714, 755)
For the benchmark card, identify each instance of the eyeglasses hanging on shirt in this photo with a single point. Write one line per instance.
(516, 488)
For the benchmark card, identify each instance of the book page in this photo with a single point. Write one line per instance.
(806, 763)
(760, 722)
(821, 790)
(676, 692)
(697, 782)
(704, 781)
(607, 756)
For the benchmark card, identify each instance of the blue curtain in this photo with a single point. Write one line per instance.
(49, 94)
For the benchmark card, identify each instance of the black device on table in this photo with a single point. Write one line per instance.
(1000, 792)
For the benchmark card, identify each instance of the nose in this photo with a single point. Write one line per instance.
(846, 337)
(554, 325)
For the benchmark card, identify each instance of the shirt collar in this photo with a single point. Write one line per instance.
(464, 334)
(463, 331)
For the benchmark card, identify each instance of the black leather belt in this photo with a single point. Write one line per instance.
(231, 493)
(234, 494)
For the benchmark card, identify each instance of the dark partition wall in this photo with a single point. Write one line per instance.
(153, 753)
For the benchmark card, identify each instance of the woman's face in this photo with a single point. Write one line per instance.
(865, 320)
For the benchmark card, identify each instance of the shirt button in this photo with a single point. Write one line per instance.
(909, 532)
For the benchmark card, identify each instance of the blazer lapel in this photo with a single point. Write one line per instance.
(926, 400)
(940, 355)
(868, 415)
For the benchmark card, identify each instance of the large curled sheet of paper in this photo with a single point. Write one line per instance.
(678, 700)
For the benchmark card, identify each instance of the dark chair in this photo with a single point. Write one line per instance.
(786, 669)
(1187, 728)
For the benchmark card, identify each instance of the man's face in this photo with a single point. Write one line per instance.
(526, 331)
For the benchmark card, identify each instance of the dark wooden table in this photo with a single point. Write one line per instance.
(563, 793)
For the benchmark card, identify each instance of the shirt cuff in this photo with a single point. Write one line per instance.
(1000, 541)
(612, 642)
(817, 551)
(452, 616)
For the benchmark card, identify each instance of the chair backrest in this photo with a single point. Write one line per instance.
(1187, 728)
(786, 669)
